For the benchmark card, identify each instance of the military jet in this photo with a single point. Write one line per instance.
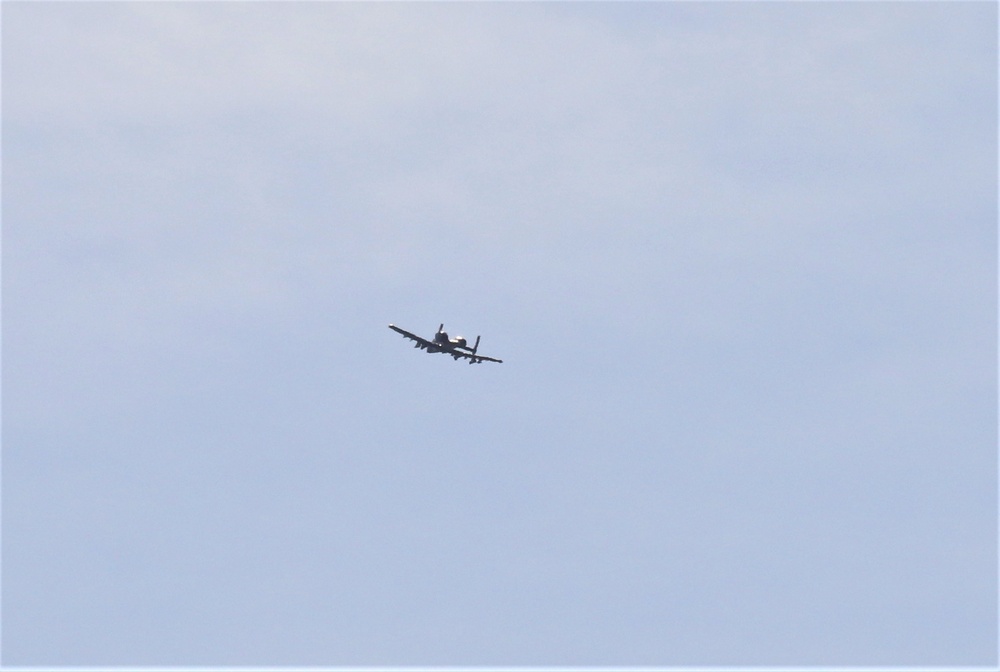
(457, 348)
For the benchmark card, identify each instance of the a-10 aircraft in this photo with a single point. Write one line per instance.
(457, 348)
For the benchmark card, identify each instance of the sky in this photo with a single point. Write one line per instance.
(740, 261)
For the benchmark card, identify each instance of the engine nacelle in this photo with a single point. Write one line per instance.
(460, 342)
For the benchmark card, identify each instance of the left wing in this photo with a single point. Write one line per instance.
(422, 343)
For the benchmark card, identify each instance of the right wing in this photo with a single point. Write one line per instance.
(422, 343)
(472, 357)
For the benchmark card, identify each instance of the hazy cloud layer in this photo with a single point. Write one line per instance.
(740, 262)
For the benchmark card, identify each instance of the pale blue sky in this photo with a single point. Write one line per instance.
(740, 262)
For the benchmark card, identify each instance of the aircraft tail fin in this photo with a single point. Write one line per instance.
(476, 346)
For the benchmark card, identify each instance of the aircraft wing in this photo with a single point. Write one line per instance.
(473, 358)
(422, 343)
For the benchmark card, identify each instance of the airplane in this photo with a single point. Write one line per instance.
(456, 348)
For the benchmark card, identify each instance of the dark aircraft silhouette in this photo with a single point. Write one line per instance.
(456, 348)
